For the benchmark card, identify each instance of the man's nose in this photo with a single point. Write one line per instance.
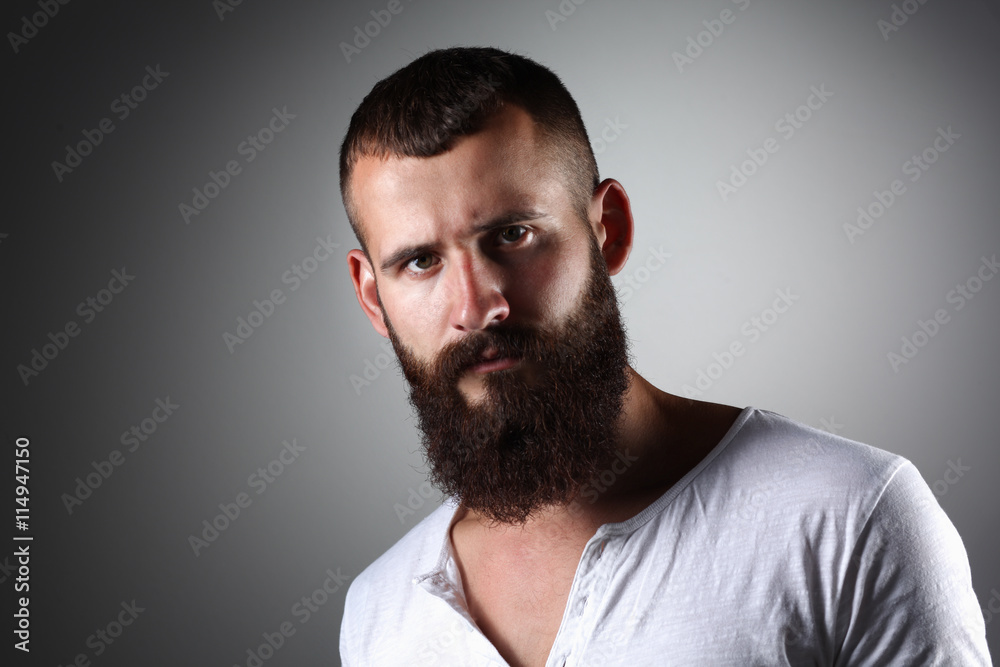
(477, 294)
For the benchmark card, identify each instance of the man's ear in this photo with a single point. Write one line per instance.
(611, 219)
(363, 277)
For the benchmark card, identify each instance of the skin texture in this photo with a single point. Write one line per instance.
(462, 269)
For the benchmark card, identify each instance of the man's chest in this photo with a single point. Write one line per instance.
(518, 599)
(593, 609)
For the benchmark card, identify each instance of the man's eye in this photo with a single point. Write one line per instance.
(422, 262)
(511, 234)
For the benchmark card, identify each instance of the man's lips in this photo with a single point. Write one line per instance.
(498, 364)
(492, 361)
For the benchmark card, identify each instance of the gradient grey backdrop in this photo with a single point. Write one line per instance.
(667, 133)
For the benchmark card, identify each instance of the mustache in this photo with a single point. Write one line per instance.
(507, 341)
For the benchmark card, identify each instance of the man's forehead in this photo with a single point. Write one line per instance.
(490, 174)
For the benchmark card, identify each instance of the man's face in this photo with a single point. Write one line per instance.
(501, 311)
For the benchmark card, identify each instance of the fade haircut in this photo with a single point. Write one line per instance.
(423, 108)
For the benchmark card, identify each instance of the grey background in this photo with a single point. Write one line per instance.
(343, 501)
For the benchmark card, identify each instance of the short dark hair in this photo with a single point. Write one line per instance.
(422, 108)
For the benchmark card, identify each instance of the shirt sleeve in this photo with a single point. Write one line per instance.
(353, 611)
(907, 596)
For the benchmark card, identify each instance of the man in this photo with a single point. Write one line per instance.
(591, 518)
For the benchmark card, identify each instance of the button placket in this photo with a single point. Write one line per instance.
(598, 576)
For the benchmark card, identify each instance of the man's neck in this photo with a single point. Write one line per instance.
(660, 438)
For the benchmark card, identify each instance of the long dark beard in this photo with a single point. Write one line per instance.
(543, 428)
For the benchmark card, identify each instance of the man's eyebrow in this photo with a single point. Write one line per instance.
(502, 220)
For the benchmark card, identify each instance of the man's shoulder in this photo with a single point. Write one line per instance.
(771, 440)
(772, 458)
(901, 573)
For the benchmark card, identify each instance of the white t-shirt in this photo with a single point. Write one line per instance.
(786, 545)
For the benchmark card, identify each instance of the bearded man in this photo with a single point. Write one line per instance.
(716, 536)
